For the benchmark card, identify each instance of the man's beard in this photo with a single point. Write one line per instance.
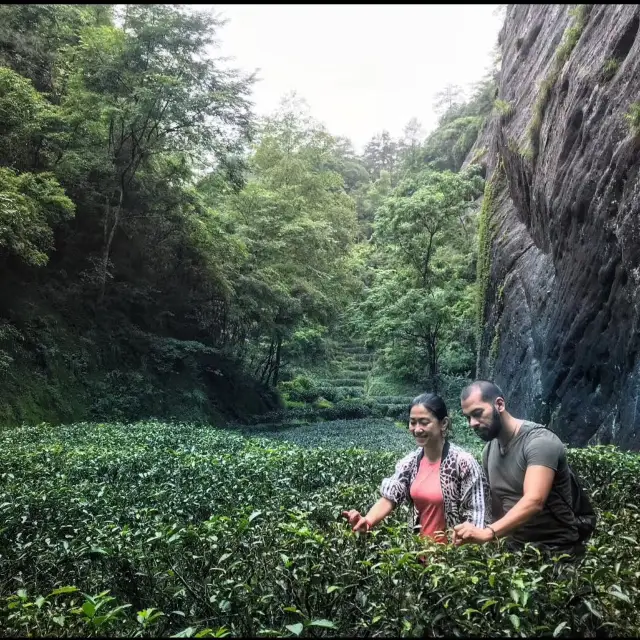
(493, 430)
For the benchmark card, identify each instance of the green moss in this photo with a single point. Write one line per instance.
(495, 342)
(504, 108)
(610, 68)
(572, 34)
(486, 231)
(633, 118)
(478, 155)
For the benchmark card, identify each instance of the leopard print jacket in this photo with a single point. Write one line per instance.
(465, 489)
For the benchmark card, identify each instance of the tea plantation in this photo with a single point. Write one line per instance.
(185, 530)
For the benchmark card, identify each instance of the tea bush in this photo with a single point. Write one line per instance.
(152, 529)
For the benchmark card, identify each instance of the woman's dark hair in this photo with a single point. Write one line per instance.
(433, 402)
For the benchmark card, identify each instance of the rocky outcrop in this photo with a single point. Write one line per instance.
(560, 302)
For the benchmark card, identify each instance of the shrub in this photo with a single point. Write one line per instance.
(300, 389)
(504, 108)
(153, 529)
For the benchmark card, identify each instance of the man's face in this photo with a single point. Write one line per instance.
(483, 417)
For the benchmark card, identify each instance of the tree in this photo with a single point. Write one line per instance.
(30, 205)
(150, 89)
(296, 224)
(380, 154)
(423, 273)
(447, 99)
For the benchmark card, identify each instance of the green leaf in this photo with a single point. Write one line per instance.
(591, 608)
(515, 621)
(327, 624)
(59, 620)
(60, 590)
(332, 588)
(617, 593)
(296, 628)
(558, 630)
(89, 609)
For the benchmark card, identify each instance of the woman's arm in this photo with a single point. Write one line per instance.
(394, 491)
(376, 514)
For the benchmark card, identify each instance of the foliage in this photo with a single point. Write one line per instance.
(633, 118)
(297, 226)
(448, 146)
(106, 125)
(422, 289)
(610, 68)
(504, 108)
(483, 264)
(30, 205)
(155, 529)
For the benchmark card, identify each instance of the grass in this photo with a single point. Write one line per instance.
(610, 68)
(504, 108)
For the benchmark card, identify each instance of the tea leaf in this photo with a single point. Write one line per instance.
(296, 628)
(327, 624)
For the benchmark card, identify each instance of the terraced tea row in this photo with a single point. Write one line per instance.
(153, 529)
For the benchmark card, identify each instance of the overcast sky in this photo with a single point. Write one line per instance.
(361, 68)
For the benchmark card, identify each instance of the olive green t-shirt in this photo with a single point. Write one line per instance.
(532, 445)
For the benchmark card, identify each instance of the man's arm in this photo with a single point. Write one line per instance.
(542, 454)
(538, 481)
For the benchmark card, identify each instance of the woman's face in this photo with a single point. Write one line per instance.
(424, 426)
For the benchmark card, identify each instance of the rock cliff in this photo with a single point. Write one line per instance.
(559, 263)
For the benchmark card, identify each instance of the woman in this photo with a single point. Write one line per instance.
(444, 484)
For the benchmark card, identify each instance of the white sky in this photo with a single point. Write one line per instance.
(361, 68)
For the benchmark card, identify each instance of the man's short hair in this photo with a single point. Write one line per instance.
(489, 391)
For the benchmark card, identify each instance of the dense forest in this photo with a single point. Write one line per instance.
(166, 253)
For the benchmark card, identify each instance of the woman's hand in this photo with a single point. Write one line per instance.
(466, 533)
(357, 521)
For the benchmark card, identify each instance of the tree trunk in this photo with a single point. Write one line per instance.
(109, 234)
(266, 370)
(433, 362)
(276, 369)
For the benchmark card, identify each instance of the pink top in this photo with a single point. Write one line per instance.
(426, 494)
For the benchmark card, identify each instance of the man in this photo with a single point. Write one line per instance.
(528, 474)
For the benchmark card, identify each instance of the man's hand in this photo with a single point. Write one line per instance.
(357, 521)
(466, 533)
